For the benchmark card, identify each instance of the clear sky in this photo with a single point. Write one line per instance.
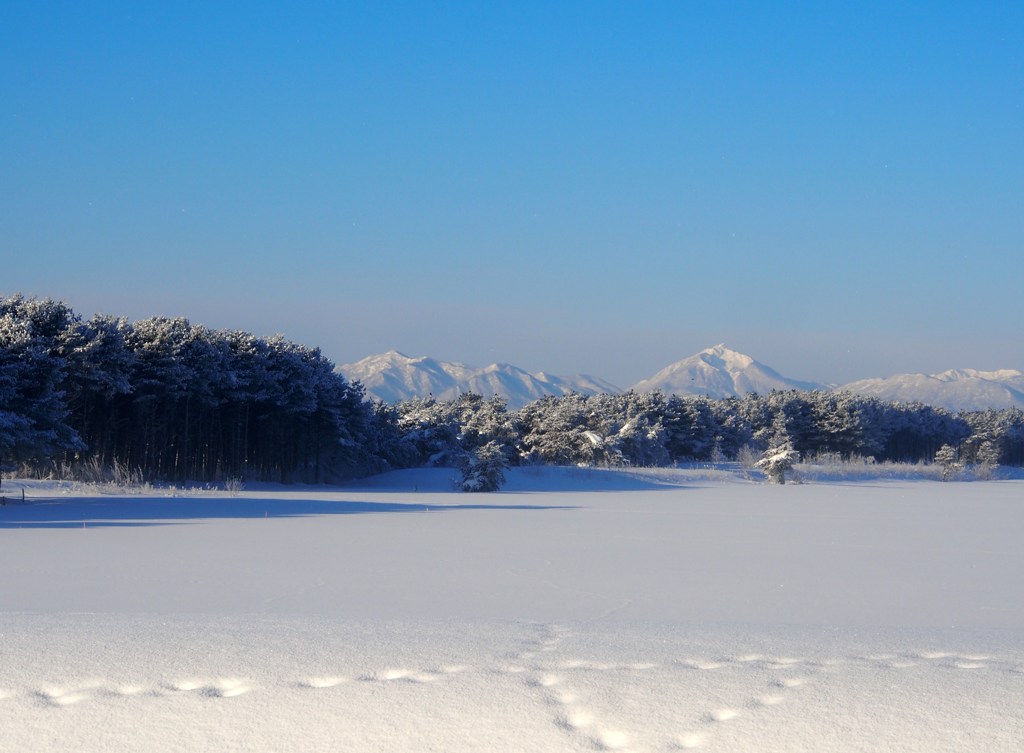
(836, 189)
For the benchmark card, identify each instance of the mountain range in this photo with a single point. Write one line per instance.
(716, 372)
(956, 389)
(393, 376)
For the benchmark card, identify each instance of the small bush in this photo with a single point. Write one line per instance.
(483, 470)
(949, 459)
(747, 457)
(777, 461)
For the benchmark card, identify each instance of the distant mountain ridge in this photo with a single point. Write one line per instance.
(394, 376)
(716, 372)
(956, 389)
(720, 372)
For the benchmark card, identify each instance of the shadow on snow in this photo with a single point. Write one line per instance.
(128, 512)
(561, 479)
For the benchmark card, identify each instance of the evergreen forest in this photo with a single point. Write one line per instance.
(169, 400)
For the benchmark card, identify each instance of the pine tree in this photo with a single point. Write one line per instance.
(483, 470)
(780, 455)
(33, 408)
(987, 458)
(949, 459)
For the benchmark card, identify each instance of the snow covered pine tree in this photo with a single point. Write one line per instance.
(483, 469)
(949, 459)
(780, 455)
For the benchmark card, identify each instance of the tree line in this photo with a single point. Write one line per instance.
(652, 429)
(173, 400)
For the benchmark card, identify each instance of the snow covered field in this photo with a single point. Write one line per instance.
(576, 610)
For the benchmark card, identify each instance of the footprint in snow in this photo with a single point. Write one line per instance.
(702, 664)
(689, 741)
(220, 688)
(575, 719)
(128, 690)
(610, 740)
(397, 674)
(968, 665)
(932, 655)
(723, 715)
(318, 683)
(60, 697)
(789, 682)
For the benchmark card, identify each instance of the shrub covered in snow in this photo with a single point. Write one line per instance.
(483, 469)
(777, 461)
(949, 459)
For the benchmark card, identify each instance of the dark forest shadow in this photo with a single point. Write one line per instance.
(129, 512)
(539, 478)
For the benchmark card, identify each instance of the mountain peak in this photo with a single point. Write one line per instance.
(719, 372)
(715, 372)
(721, 356)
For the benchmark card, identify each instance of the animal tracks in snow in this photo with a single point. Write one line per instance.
(93, 690)
(319, 683)
(590, 703)
(940, 659)
(682, 701)
(615, 705)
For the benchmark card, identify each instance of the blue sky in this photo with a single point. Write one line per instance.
(836, 189)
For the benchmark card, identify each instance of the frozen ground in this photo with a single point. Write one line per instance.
(575, 611)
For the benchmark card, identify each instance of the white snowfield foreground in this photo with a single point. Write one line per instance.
(576, 611)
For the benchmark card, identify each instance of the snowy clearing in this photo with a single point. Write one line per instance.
(577, 610)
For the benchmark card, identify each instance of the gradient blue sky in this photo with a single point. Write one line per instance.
(836, 189)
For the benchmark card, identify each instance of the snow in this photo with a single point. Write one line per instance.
(716, 372)
(579, 609)
(956, 389)
(393, 377)
(719, 372)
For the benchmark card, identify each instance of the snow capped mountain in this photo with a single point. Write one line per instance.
(393, 376)
(520, 387)
(956, 389)
(715, 372)
(720, 372)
